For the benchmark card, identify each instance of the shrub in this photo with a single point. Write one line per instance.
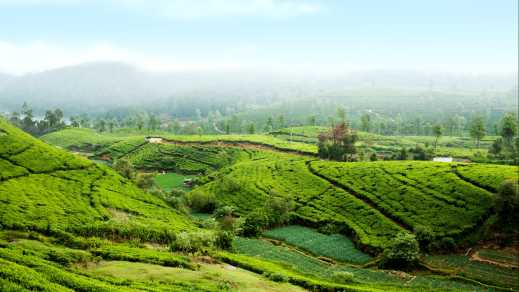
(145, 180)
(276, 277)
(224, 239)
(402, 251)
(342, 277)
(193, 242)
(278, 210)
(507, 204)
(201, 201)
(254, 223)
(424, 235)
(124, 167)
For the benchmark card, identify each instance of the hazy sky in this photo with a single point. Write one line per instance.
(477, 36)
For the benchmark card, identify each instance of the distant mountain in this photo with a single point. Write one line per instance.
(107, 85)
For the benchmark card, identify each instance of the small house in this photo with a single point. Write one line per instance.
(188, 182)
(442, 159)
(153, 140)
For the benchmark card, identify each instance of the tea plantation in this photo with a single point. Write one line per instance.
(71, 224)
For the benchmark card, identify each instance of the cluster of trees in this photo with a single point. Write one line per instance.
(338, 143)
(51, 121)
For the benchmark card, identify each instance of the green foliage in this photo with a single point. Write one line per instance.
(201, 201)
(194, 242)
(124, 167)
(145, 180)
(224, 239)
(133, 254)
(507, 205)
(334, 246)
(342, 277)
(402, 251)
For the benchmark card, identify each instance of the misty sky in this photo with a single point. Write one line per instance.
(473, 36)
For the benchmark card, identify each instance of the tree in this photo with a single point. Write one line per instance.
(402, 251)
(124, 167)
(508, 128)
(84, 121)
(111, 125)
(145, 180)
(100, 125)
(269, 126)
(341, 114)
(281, 122)
(27, 121)
(365, 121)
(312, 120)
(140, 123)
(227, 127)
(338, 143)
(74, 121)
(251, 129)
(507, 204)
(496, 147)
(437, 132)
(153, 123)
(477, 129)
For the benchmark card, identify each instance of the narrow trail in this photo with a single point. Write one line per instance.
(366, 200)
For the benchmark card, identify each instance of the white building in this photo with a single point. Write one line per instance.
(154, 140)
(442, 159)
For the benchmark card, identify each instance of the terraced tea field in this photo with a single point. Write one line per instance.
(335, 246)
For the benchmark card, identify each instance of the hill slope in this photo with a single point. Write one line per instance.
(44, 188)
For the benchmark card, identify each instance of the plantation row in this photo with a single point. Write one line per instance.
(46, 189)
(258, 255)
(373, 201)
(415, 193)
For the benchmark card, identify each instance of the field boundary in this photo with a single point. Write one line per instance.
(242, 144)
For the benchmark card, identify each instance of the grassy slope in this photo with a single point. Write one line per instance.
(374, 200)
(44, 188)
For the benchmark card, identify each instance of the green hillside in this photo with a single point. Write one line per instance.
(374, 200)
(44, 188)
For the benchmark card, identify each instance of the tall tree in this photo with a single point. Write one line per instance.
(251, 129)
(341, 114)
(437, 132)
(477, 129)
(312, 120)
(508, 128)
(365, 121)
(269, 126)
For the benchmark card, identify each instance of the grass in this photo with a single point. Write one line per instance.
(213, 277)
(334, 246)
(172, 180)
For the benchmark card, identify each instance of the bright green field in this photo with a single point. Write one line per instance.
(380, 279)
(171, 180)
(334, 246)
